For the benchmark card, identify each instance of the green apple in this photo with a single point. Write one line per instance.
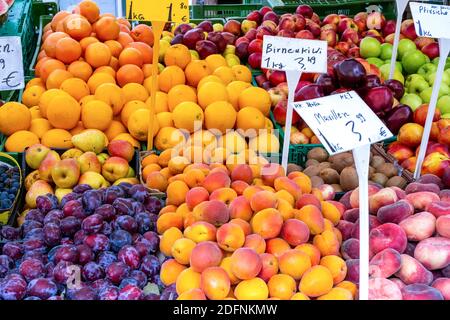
(445, 116)
(412, 100)
(412, 61)
(386, 68)
(217, 27)
(443, 104)
(426, 94)
(447, 63)
(369, 47)
(398, 65)
(414, 77)
(417, 86)
(375, 61)
(445, 78)
(404, 46)
(427, 68)
(386, 51)
(447, 72)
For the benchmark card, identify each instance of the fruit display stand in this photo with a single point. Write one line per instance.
(325, 7)
(7, 215)
(40, 8)
(222, 11)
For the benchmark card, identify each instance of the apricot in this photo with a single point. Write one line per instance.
(176, 192)
(286, 210)
(271, 171)
(267, 223)
(245, 263)
(168, 220)
(282, 286)
(193, 294)
(300, 296)
(196, 196)
(269, 266)
(308, 199)
(254, 289)
(251, 190)
(286, 196)
(263, 200)
(182, 249)
(295, 232)
(215, 283)
(214, 212)
(244, 225)
(331, 212)
(187, 280)
(337, 267)
(240, 208)
(239, 186)
(194, 177)
(327, 243)
(242, 172)
(230, 237)
(216, 180)
(170, 270)
(168, 239)
(294, 263)
(204, 255)
(312, 217)
(337, 294)
(201, 231)
(350, 286)
(226, 265)
(255, 242)
(311, 251)
(316, 282)
(226, 195)
(277, 246)
(284, 183)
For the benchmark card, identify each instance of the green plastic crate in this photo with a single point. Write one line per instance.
(41, 8)
(325, 7)
(222, 11)
(43, 21)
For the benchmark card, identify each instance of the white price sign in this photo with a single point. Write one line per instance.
(431, 20)
(342, 122)
(302, 55)
(11, 64)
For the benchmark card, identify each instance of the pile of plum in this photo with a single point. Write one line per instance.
(409, 240)
(95, 244)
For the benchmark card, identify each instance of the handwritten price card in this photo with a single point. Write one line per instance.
(302, 55)
(342, 122)
(431, 20)
(11, 64)
(158, 10)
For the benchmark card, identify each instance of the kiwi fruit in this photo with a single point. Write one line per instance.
(292, 167)
(312, 171)
(341, 161)
(379, 178)
(330, 176)
(388, 169)
(324, 165)
(396, 181)
(377, 161)
(349, 179)
(312, 162)
(316, 181)
(337, 187)
(318, 154)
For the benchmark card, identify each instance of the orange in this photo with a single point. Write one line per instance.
(129, 138)
(106, 69)
(14, 117)
(77, 28)
(31, 96)
(165, 119)
(138, 124)
(80, 69)
(220, 115)
(143, 33)
(20, 140)
(115, 47)
(114, 129)
(180, 93)
(87, 99)
(96, 115)
(188, 116)
(114, 63)
(112, 95)
(78, 129)
(49, 66)
(148, 70)
(250, 118)
(98, 54)
(66, 117)
(35, 82)
(135, 91)
(60, 16)
(234, 90)
(129, 73)
(211, 92)
(282, 286)
(124, 39)
(254, 289)
(107, 28)
(177, 55)
(98, 79)
(255, 97)
(58, 139)
(40, 126)
(129, 108)
(215, 61)
(90, 10)
(67, 50)
(161, 102)
(316, 282)
(145, 50)
(45, 99)
(211, 78)
(242, 73)
(168, 138)
(225, 74)
(131, 55)
(84, 43)
(195, 71)
(77, 88)
(124, 22)
(337, 267)
(170, 77)
(56, 78)
(49, 44)
(35, 113)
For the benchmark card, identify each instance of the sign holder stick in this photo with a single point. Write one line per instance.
(444, 49)
(401, 7)
(293, 77)
(157, 27)
(362, 158)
